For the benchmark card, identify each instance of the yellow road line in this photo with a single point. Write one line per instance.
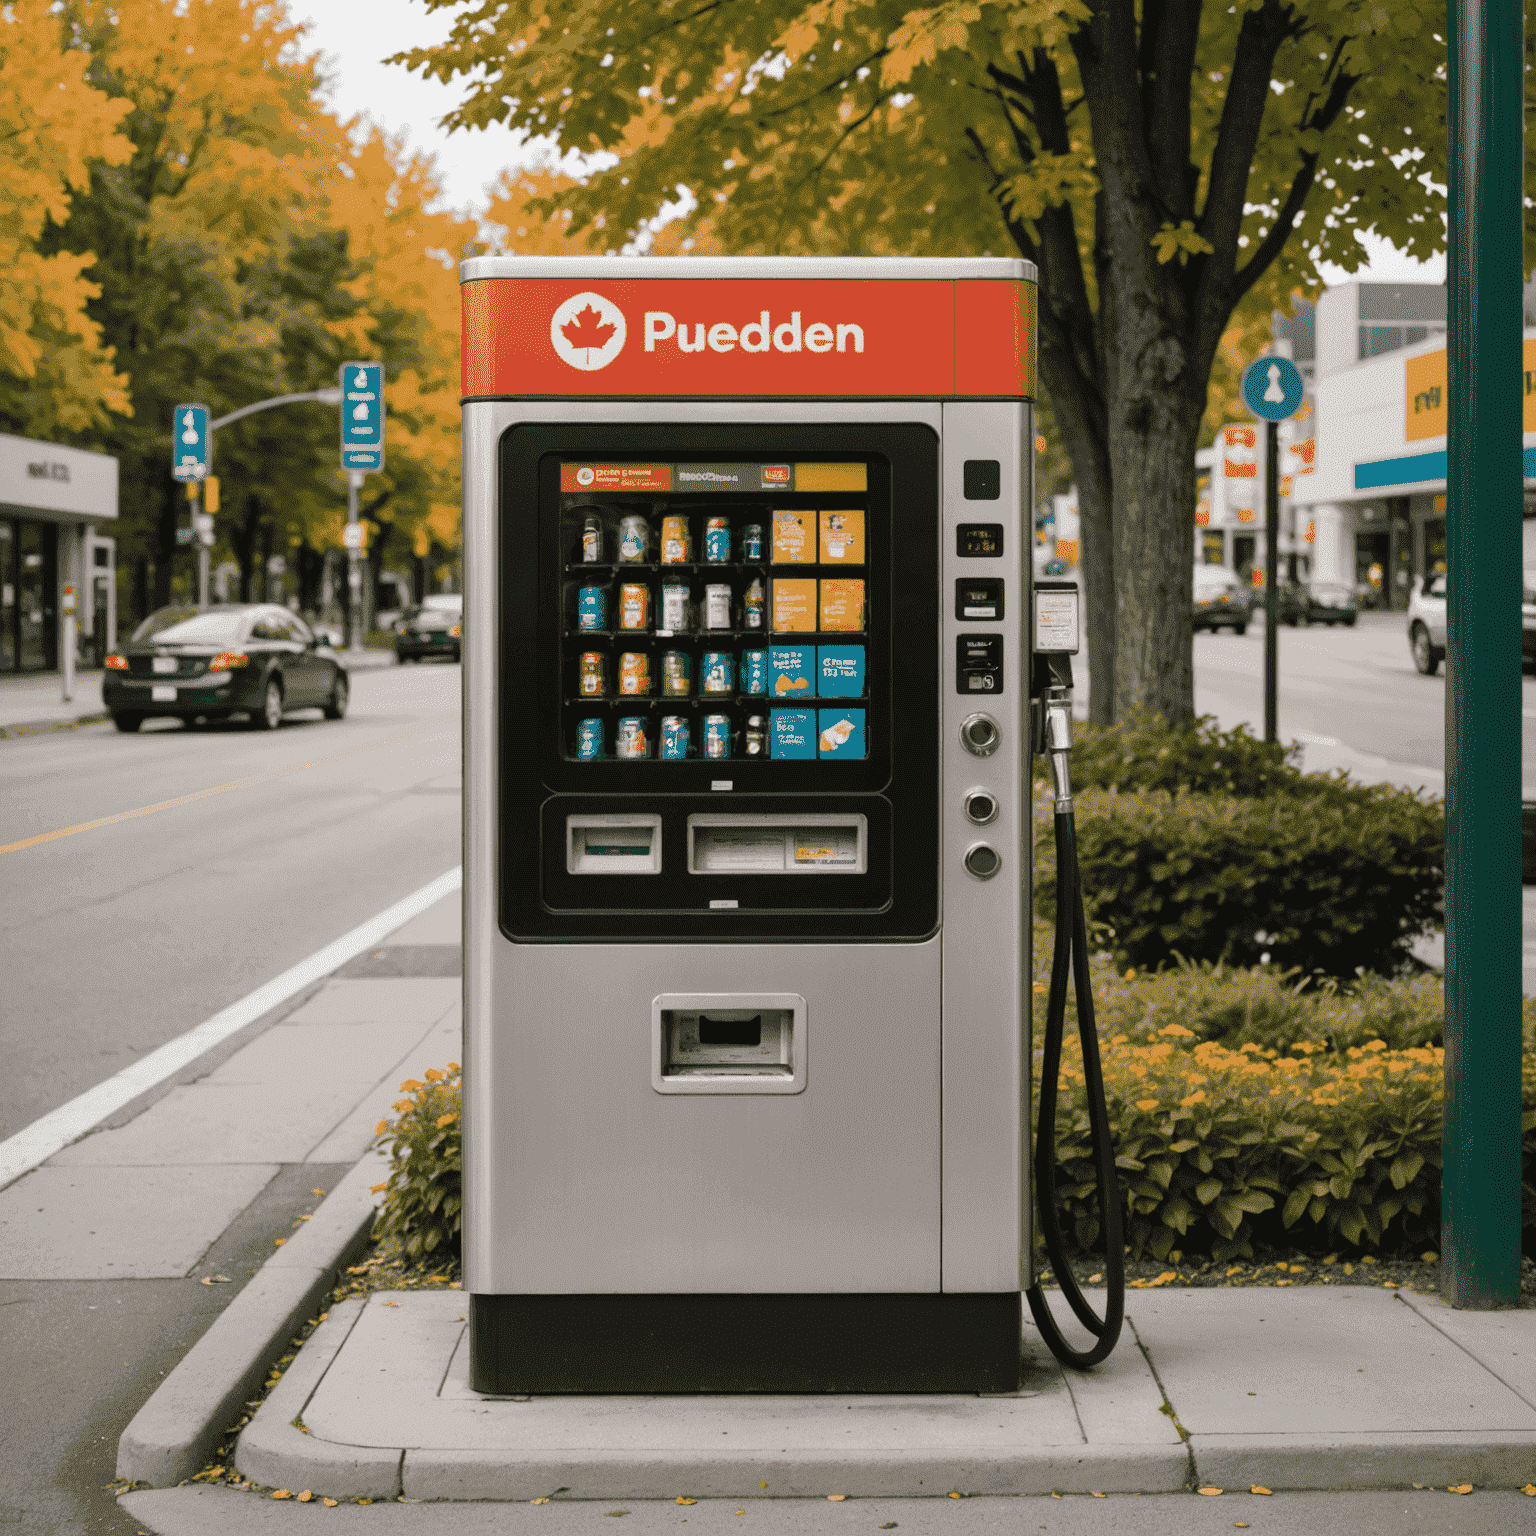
(220, 789)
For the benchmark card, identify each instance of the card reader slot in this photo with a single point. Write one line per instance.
(806, 844)
(613, 845)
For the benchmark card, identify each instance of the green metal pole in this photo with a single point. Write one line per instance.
(1480, 1235)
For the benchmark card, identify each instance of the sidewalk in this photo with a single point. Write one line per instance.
(32, 701)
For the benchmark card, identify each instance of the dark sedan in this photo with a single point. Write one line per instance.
(1329, 602)
(255, 659)
(430, 632)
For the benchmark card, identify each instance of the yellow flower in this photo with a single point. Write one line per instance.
(1177, 1031)
(1197, 1097)
(1146, 1103)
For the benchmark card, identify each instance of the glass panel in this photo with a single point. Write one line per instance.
(180, 625)
(33, 598)
(717, 611)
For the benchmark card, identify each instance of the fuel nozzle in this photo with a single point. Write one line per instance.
(1055, 695)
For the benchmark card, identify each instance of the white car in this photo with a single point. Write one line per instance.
(446, 602)
(1426, 623)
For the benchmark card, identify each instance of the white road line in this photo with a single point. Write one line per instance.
(23, 1152)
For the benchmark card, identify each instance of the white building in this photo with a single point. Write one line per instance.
(52, 499)
(1373, 510)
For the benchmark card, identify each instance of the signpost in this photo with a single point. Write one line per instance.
(1272, 390)
(362, 451)
(1480, 1187)
(190, 443)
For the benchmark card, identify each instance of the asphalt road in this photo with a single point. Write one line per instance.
(238, 855)
(241, 853)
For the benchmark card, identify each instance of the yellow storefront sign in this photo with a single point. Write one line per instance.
(1426, 395)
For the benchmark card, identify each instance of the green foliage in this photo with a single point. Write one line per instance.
(1142, 751)
(424, 1194)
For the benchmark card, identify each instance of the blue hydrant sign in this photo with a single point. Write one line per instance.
(362, 416)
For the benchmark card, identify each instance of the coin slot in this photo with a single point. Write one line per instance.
(731, 1031)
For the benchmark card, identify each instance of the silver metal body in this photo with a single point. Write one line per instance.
(898, 1161)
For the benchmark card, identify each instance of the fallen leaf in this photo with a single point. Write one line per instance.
(1529, 1490)
(319, 1192)
(682, 1500)
(329, 1503)
(1460, 1488)
(1093, 1495)
(281, 1493)
(365, 1501)
(538, 1501)
(956, 1495)
(762, 1485)
(1241, 1525)
(741, 1511)
(836, 1498)
(305, 1497)
(615, 1513)
(277, 1242)
(1054, 1494)
(1256, 1488)
(1094, 1279)
(389, 1303)
(1390, 1285)
(215, 1280)
(1210, 1492)
(890, 1525)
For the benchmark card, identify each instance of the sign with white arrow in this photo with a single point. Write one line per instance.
(189, 442)
(362, 416)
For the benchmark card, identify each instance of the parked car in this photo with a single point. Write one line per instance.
(1528, 621)
(1328, 602)
(1426, 623)
(430, 632)
(1290, 602)
(1221, 599)
(256, 659)
(445, 602)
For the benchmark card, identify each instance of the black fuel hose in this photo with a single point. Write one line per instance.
(1071, 953)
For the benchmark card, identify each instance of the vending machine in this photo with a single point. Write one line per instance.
(747, 834)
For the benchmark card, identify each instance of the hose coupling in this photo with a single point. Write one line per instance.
(1057, 731)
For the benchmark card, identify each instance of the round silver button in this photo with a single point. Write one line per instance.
(979, 734)
(981, 807)
(983, 860)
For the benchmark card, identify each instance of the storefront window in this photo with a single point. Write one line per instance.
(7, 595)
(28, 629)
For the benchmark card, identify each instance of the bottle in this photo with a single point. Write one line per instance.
(592, 540)
(752, 605)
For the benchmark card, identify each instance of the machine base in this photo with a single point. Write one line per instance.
(923, 1342)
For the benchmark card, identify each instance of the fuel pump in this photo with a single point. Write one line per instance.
(1055, 642)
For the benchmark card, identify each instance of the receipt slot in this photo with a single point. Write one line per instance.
(746, 823)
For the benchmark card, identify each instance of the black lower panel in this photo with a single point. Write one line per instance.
(924, 1342)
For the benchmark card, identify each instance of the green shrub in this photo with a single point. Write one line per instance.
(1219, 1149)
(1334, 882)
(424, 1194)
(1143, 752)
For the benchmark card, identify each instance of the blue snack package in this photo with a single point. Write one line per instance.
(840, 672)
(842, 733)
(792, 671)
(792, 733)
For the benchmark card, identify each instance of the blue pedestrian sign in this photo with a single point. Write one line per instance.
(189, 442)
(362, 416)
(1272, 388)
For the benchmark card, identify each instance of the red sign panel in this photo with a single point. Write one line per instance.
(615, 477)
(721, 338)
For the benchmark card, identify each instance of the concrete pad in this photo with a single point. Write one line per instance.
(441, 923)
(1504, 1342)
(401, 1381)
(354, 1135)
(387, 1000)
(338, 1052)
(84, 1223)
(1314, 1361)
(204, 1124)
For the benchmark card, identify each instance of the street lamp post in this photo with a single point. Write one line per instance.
(1480, 1206)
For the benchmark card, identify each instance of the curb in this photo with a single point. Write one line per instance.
(174, 1433)
(37, 727)
(276, 1453)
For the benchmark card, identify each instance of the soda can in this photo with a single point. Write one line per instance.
(754, 671)
(752, 542)
(634, 606)
(634, 673)
(717, 540)
(631, 742)
(717, 606)
(592, 540)
(589, 739)
(717, 672)
(676, 546)
(756, 741)
(717, 736)
(634, 539)
(674, 609)
(676, 738)
(594, 675)
(592, 608)
(677, 674)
